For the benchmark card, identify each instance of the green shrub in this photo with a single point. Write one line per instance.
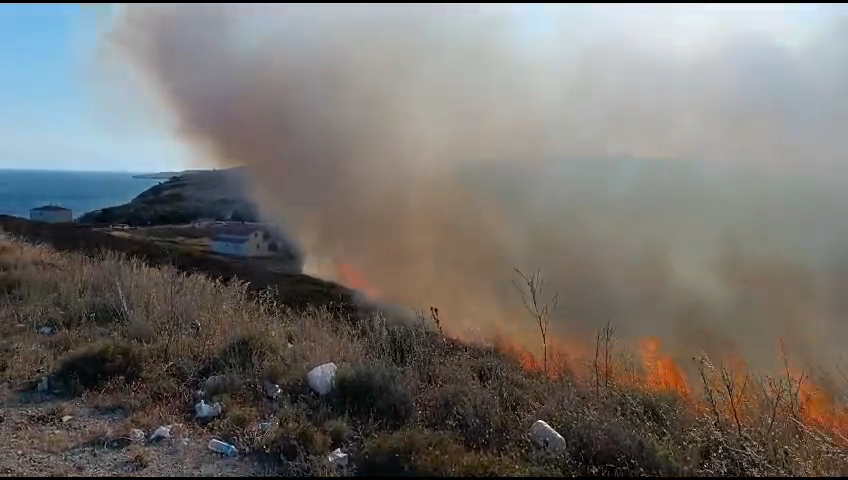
(247, 353)
(99, 363)
(474, 414)
(375, 391)
(296, 440)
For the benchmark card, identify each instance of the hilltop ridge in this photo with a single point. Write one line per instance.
(188, 196)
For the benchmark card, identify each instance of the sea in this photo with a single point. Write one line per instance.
(21, 190)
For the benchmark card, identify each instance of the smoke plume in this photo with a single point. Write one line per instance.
(677, 171)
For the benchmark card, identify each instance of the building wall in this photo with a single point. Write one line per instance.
(51, 216)
(254, 247)
(229, 248)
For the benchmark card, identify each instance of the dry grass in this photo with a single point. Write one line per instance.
(141, 341)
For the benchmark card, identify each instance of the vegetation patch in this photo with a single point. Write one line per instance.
(97, 364)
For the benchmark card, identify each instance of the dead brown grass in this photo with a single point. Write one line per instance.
(294, 290)
(141, 341)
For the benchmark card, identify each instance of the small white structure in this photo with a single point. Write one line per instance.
(51, 214)
(253, 244)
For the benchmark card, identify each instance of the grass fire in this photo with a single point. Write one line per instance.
(408, 400)
(630, 221)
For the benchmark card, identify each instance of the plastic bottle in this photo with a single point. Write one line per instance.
(223, 448)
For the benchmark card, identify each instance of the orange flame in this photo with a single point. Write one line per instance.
(661, 372)
(350, 276)
(816, 406)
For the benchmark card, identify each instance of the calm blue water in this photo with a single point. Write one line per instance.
(21, 190)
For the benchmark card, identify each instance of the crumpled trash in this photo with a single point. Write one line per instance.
(223, 448)
(47, 330)
(338, 458)
(321, 379)
(43, 385)
(161, 433)
(66, 418)
(205, 410)
(137, 435)
(272, 390)
(546, 437)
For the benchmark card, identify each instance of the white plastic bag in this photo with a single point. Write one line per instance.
(337, 457)
(546, 437)
(322, 378)
(204, 410)
(161, 433)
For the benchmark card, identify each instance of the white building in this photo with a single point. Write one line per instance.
(255, 243)
(51, 214)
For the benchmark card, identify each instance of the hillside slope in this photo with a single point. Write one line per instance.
(128, 346)
(190, 196)
(297, 291)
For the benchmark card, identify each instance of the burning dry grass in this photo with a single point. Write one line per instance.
(142, 340)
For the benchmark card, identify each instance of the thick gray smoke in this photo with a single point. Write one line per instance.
(678, 172)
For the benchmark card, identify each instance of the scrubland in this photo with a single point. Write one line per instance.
(132, 346)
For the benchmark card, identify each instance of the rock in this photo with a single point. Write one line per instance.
(322, 378)
(66, 418)
(546, 437)
(162, 432)
(137, 435)
(338, 458)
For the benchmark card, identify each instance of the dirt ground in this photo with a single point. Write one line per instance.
(44, 435)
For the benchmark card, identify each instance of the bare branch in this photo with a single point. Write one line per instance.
(532, 290)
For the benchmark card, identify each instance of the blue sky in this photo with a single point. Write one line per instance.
(57, 113)
(52, 113)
